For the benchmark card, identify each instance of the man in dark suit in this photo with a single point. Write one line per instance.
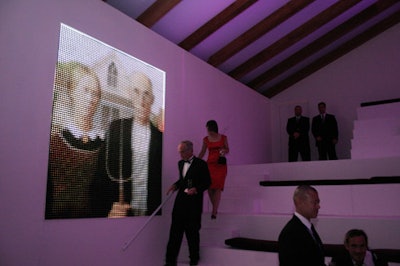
(129, 176)
(194, 179)
(357, 252)
(299, 243)
(298, 127)
(325, 130)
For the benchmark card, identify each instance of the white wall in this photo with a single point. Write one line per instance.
(196, 92)
(368, 73)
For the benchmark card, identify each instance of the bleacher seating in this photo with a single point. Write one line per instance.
(376, 131)
(363, 192)
(330, 250)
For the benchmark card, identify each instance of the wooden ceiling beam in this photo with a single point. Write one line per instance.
(334, 55)
(156, 11)
(215, 23)
(330, 37)
(293, 37)
(258, 30)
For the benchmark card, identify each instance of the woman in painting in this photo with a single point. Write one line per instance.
(74, 142)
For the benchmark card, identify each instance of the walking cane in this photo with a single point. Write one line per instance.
(126, 245)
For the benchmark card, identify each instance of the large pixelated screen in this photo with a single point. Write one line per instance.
(105, 151)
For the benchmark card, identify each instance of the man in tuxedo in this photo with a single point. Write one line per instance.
(357, 252)
(132, 154)
(325, 130)
(194, 179)
(298, 127)
(299, 243)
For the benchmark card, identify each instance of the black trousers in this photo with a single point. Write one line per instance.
(299, 147)
(326, 150)
(189, 225)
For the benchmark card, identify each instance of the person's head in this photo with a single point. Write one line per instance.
(356, 243)
(306, 201)
(140, 91)
(212, 126)
(297, 110)
(82, 87)
(185, 149)
(321, 107)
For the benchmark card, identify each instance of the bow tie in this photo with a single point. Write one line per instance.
(188, 161)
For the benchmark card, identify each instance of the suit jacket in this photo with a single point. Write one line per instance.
(327, 129)
(302, 126)
(106, 190)
(345, 260)
(297, 247)
(199, 177)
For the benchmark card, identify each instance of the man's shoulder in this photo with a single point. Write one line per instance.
(200, 164)
(198, 160)
(293, 223)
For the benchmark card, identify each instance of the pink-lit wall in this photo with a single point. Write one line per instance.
(195, 93)
(368, 73)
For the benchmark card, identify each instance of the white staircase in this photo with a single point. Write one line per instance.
(250, 210)
(377, 131)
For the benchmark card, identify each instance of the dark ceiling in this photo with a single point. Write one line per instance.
(268, 45)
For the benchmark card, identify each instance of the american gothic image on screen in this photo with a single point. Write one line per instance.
(105, 151)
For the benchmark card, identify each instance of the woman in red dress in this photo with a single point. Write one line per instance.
(217, 145)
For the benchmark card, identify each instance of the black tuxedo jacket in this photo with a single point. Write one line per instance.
(116, 154)
(327, 129)
(302, 126)
(297, 247)
(345, 260)
(197, 176)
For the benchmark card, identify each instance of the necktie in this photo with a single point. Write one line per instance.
(316, 236)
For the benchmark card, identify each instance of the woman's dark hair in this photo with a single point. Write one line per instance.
(212, 126)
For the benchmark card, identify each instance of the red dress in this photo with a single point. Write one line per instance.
(217, 171)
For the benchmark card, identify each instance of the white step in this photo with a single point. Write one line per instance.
(376, 128)
(331, 229)
(379, 111)
(212, 256)
(237, 257)
(375, 148)
(346, 200)
(337, 169)
(376, 133)
(237, 204)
